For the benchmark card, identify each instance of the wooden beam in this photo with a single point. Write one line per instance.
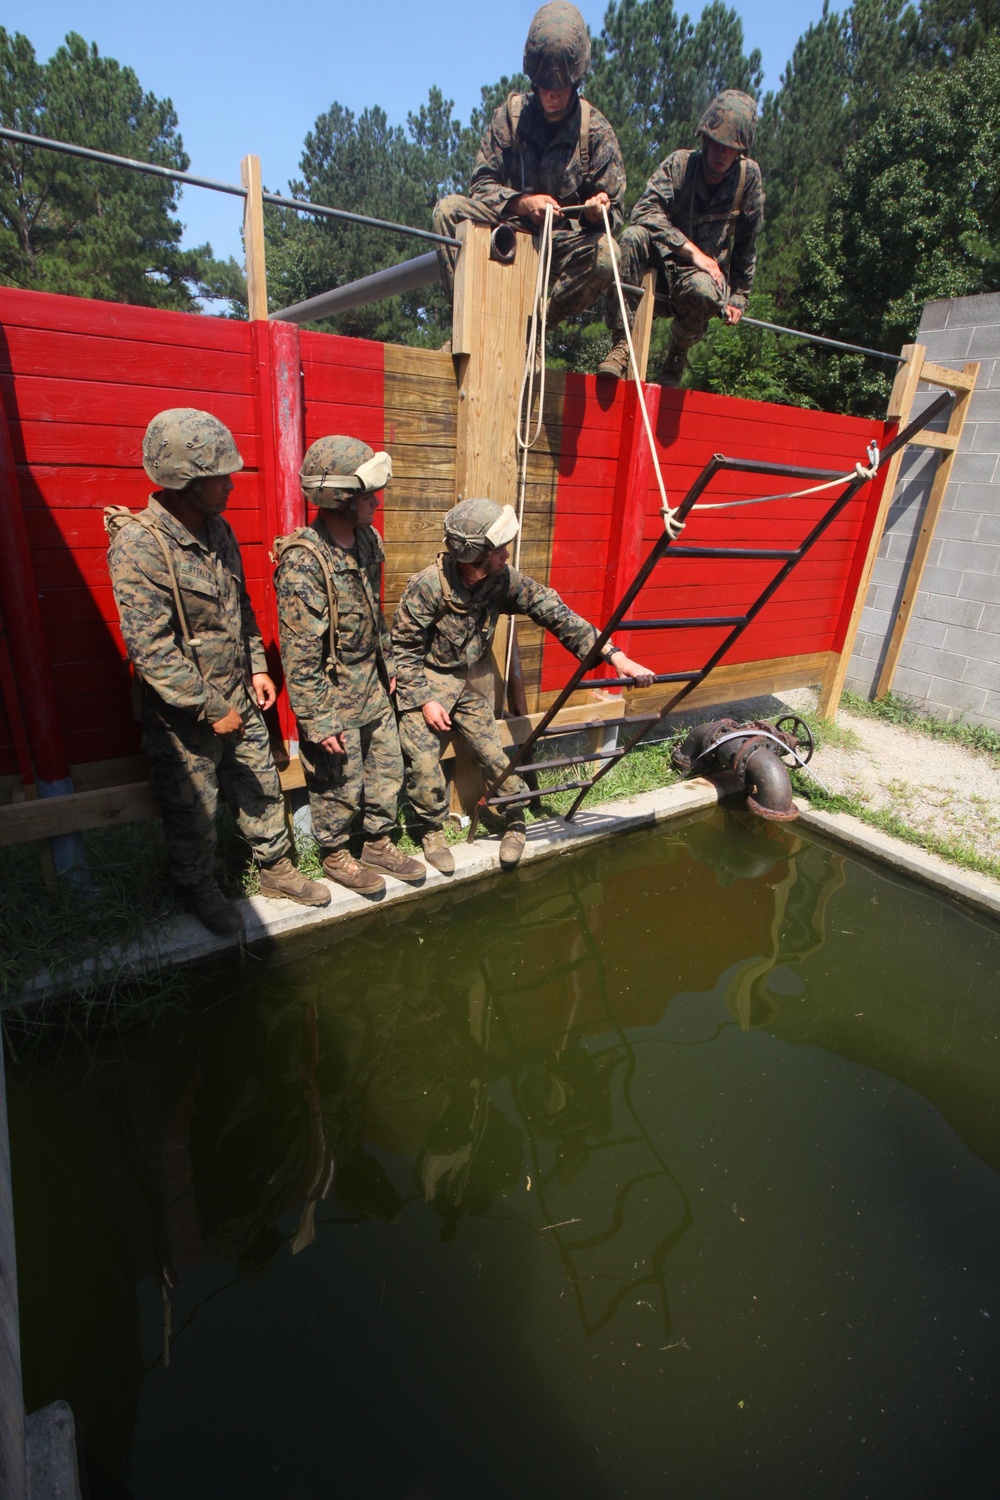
(904, 389)
(918, 561)
(46, 818)
(954, 380)
(940, 440)
(643, 327)
(750, 679)
(253, 238)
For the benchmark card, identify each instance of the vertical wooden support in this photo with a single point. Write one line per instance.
(643, 327)
(288, 418)
(13, 1467)
(915, 571)
(628, 511)
(900, 406)
(253, 237)
(490, 317)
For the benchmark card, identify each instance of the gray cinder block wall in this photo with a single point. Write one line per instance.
(950, 661)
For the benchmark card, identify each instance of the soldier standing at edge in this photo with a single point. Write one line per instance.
(196, 650)
(548, 147)
(697, 222)
(337, 656)
(442, 632)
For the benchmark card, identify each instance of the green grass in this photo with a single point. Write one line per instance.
(896, 710)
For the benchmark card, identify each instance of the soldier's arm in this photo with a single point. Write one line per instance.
(249, 629)
(655, 208)
(743, 263)
(412, 628)
(543, 605)
(304, 623)
(151, 629)
(491, 185)
(607, 170)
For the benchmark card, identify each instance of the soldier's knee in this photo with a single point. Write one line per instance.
(449, 211)
(700, 292)
(604, 261)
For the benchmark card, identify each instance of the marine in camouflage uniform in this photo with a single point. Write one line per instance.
(697, 226)
(442, 633)
(566, 152)
(190, 633)
(337, 656)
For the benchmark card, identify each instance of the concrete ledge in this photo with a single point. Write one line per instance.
(50, 1438)
(183, 940)
(979, 891)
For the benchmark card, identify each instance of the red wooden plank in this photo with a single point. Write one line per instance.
(98, 445)
(36, 398)
(103, 361)
(335, 349)
(47, 310)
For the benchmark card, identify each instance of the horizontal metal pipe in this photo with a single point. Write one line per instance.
(705, 621)
(568, 760)
(598, 724)
(545, 791)
(391, 282)
(757, 554)
(301, 205)
(608, 682)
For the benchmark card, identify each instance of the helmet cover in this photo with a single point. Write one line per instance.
(731, 120)
(337, 469)
(184, 443)
(474, 527)
(557, 51)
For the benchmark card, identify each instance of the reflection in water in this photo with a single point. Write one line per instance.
(495, 1066)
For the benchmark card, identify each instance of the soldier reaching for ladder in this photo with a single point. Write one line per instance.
(697, 224)
(549, 147)
(193, 641)
(442, 632)
(337, 656)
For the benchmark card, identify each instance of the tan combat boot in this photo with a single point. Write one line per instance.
(436, 851)
(615, 363)
(214, 910)
(512, 844)
(339, 866)
(282, 879)
(673, 367)
(382, 854)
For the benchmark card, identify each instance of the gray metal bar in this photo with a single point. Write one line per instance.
(301, 205)
(392, 282)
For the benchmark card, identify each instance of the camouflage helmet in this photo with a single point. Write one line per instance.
(731, 120)
(183, 443)
(336, 470)
(557, 52)
(474, 527)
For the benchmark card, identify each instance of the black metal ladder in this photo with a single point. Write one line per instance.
(736, 624)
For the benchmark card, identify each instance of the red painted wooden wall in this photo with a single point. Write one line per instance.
(80, 380)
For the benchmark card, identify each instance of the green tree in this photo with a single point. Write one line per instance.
(915, 216)
(68, 225)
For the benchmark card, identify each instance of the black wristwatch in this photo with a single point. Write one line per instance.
(610, 651)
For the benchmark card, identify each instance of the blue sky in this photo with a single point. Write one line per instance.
(245, 77)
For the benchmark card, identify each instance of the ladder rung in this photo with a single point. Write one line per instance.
(606, 682)
(569, 760)
(548, 791)
(773, 553)
(598, 724)
(689, 624)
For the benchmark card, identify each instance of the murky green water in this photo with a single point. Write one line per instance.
(670, 1169)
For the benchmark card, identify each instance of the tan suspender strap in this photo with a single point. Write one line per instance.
(741, 186)
(122, 515)
(585, 136)
(283, 544)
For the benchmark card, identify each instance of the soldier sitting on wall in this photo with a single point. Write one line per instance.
(191, 636)
(549, 148)
(442, 632)
(337, 656)
(697, 223)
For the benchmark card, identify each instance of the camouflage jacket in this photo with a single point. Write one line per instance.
(545, 158)
(441, 626)
(209, 573)
(329, 695)
(678, 204)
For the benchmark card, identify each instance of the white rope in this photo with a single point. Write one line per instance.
(671, 524)
(860, 471)
(536, 343)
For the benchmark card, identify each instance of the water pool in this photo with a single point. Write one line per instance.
(664, 1169)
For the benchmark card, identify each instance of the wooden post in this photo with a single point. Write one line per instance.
(963, 383)
(643, 327)
(492, 307)
(904, 389)
(253, 238)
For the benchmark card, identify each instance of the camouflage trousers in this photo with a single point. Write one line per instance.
(581, 259)
(363, 784)
(189, 764)
(693, 297)
(426, 788)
